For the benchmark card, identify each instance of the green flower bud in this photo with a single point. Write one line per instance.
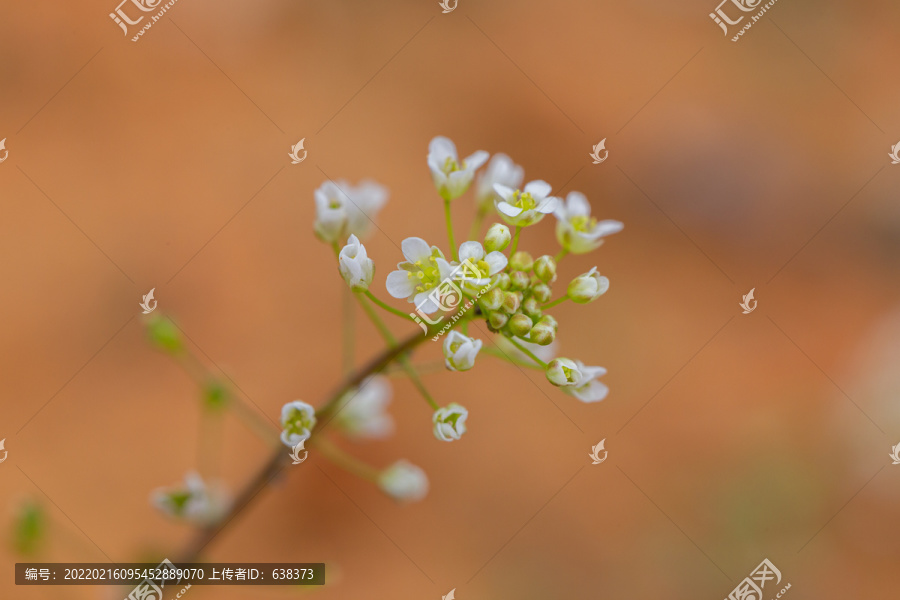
(532, 308)
(521, 261)
(541, 292)
(493, 300)
(215, 395)
(588, 287)
(497, 237)
(497, 320)
(549, 320)
(519, 280)
(28, 528)
(511, 303)
(503, 281)
(545, 268)
(542, 333)
(164, 334)
(520, 325)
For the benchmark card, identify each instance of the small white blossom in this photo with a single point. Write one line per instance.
(577, 379)
(404, 481)
(587, 287)
(452, 178)
(525, 207)
(194, 501)
(343, 209)
(355, 266)
(364, 410)
(488, 265)
(460, 351)
(415, 278)
(501, 169)
(297, 420)
(450, 422)
(576, 230)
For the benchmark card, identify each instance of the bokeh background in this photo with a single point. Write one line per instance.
(732, 438)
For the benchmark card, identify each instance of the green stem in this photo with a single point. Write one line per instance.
(403, 360)
(476, 225)
(449, 220)
(348, 325)
(515, 242)
(511, 359)
(555, 302)
(561, 255)
(387, 307)
(349, 463)
(527, 352)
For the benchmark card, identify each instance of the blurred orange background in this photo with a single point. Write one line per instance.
(732, 438)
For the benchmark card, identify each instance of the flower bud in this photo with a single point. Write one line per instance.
(404, 481)
(355, 266)
(541, 293)
(551, 321)
(588, 287)
(497, 320)
(562, 372)
(543, 333)
(532, 308)
(164, 334)
(450, 422)
(497, 237)
(503, 281)
(520, 325)
(519, 280)
(460, 351)
(511, 303)
(297, 422)
(521, 261)
(492, 300)
(545, 268)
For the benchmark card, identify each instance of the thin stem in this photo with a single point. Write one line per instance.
(476, 224)
(511, 359)
(553, 303)
(376, 320)
(527, 352)
(387, 307)
(515, 241)
(562, 254)
(348, 325)
(349, 463)
(449, 220)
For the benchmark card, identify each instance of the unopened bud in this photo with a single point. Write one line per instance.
(164, 334)
(511, 303)
(497, 237)
(588, 287)
(519, 280)
(545, 268)
(542, 333)
(541, 293)
(521, 261)
(503, 281)
(532, 308)
(492, 300)
(497, 320)
(520, 325)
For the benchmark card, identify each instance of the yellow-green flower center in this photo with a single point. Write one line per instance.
(523, 200)
(427, 274)
(583, 223)
(450, 166)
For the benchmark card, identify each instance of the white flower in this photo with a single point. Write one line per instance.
(577, 379)
(587, 287)
(487, 265)
(525, 207)
(194, 502)
(342, 209)
(500, 170)
(424, 269)
(363, 414)
(404, 481)
(576, 230)
(451, 178)
(297, 420)
(450, 422)
(460, 351)
(356, 267)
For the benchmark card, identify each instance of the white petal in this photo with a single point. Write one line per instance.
(424, 303)
(508, 209)
(476, 160)
(548, 205)
(538, 188)
(496, 262)
(399, 285)
(577, 205)
(471, 250)
(415, 249)
(440, 149)
(591, 392)
(503, 191)
(607, 227)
